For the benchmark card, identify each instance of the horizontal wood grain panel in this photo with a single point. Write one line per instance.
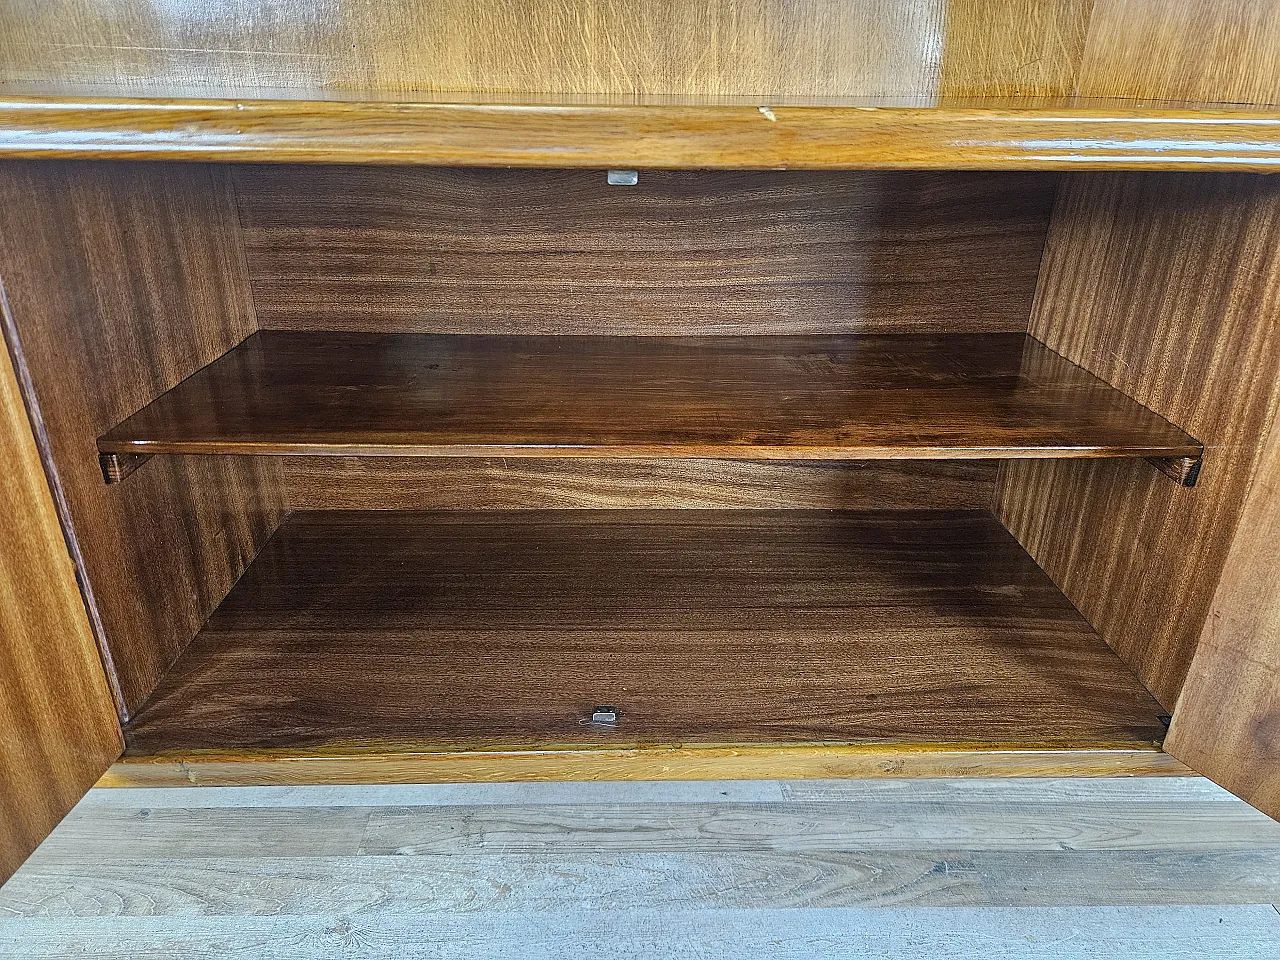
(458, 250)
(1073, 136)
(438, 632)
(430, 483)
(856, 397)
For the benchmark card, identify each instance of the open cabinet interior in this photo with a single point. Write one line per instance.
(436, 473)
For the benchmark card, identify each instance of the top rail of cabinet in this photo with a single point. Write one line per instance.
(293, 127)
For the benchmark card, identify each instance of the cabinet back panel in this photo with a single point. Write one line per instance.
(682, 252)
(403, 483)
(122, 280)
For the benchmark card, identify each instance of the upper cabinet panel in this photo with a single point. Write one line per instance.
(695, 47)
(1185, 50)
(1223, 50)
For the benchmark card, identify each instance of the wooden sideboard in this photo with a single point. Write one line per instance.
(444, 391)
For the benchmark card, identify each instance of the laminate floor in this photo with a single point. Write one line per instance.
(1042, 868)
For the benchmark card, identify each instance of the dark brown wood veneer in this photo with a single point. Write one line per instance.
(475, 627)
(957, 396)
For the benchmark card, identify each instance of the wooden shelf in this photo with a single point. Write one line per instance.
(900, 396)
(750, 633)
(985, 135)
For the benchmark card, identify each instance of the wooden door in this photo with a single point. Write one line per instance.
(58, 725)
(1227, 721)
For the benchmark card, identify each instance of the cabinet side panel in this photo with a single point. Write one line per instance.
(1227, 724)
(58, 726)
(1168, 287)
(123, 280)
(389, 250)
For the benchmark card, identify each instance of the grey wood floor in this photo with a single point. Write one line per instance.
(1115, 868)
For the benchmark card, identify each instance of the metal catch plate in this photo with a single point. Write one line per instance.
(623, 178)
(604, 716)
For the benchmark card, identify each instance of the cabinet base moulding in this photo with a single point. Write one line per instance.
(774, 762)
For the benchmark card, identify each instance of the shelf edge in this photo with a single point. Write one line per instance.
(631, 136)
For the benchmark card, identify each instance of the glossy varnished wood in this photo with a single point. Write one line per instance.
(432, 483)
(856, 397)
(1226, 50)
(122, 280)
(1167, 287)
(1227, 723)
(370, 764)
(400, 250)
(58, 725)
(1199, 50)
(1050, 136)
(456, 630)
(857, 48)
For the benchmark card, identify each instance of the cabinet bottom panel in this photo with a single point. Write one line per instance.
(612, 644)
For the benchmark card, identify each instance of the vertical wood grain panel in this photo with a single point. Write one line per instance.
(1208, 50)
(1013, 48)
(1227, 724)
(1168, 287)
(123, 280)
(1214, 50)
(389, 249)
(713, 47)
(58, 726)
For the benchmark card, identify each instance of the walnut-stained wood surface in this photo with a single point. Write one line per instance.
(431, 483)
(560, 251)
(123, 280)
(1227, 723)
(1168, 287)
(1056, 135)
(58, 725)
(458, 630)
(903, 396)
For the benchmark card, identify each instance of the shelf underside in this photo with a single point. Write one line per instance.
(903, 396)
(456, 632)
(831, 134)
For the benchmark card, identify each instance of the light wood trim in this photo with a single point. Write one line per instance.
(661, 136)
(1227, 722)
(728, 762)
(58, 722)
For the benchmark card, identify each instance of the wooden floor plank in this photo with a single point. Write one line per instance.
(893, 869)
(1134, 933)
(955, 792)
